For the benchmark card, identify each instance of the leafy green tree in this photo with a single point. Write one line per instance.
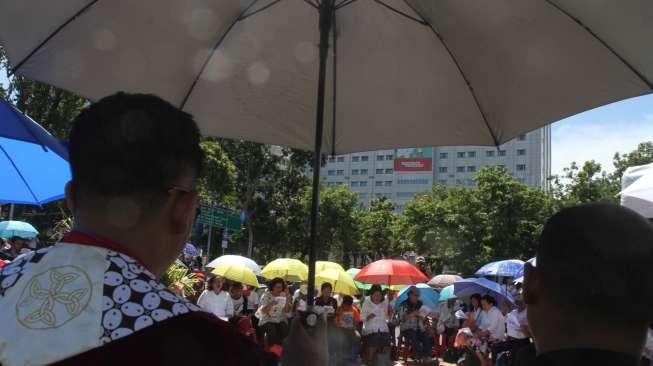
(216, 186)
(640, 156)
(376, 229)
(588, 183)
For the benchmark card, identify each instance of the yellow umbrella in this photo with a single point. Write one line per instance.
(322, 265)
(341, 281)
(236, 272)
(287, 268)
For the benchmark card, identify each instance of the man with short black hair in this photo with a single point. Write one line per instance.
(589, 298)
(94, 298)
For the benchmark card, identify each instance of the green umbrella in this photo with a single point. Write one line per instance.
(363, 286)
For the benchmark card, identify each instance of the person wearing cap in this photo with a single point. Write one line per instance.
(413, 326)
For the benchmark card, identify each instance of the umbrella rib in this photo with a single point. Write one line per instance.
(344, 3)
(632, 68)
(215, 48)
(309, 2)
(54, 33)
(20, 174)
(420, 21)
(245, 16)
(462, 74)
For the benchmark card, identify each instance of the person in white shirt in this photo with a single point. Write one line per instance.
(274, 311)
(518, 333)
(215, 300)
(375, 314)
(491, 327)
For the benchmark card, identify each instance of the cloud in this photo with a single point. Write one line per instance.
(579, 141)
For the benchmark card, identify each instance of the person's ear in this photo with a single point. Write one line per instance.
(70, 201)
(531, 284)
(183, 211)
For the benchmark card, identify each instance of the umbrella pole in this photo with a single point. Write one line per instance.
(326, 10)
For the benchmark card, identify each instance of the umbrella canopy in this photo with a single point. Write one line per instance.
(236, 272)
(190, 250)
(33, 163)
(505, 268)
(447, 293)
(443, 280)
(17, 228)
(236, 259)
(637, 189)
(549, 59)
(391, 272)
(287, 268)
(322, 265)
(482, 286)
(427, 295)
(341, 281)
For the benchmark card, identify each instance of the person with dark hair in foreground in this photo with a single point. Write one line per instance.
(95, 298)
(589, 298)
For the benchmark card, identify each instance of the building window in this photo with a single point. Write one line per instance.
(502, 153)
(362, 196)
(388, 157)
(442, 169)
(470, 182)
(521, 151)
(521, 167)
(340, 172)
(501, 166)
(379, 157)
(332, 160)
(442, 182)
(460, 169)
(354, 172)
(459, 182)
(489, 153)
(406, 194)
(460, 154)
(363, 183)
(388, 171)
(331, 172)
(379, 183)
(522, 137)
(363, 171)
(341, 159)
(471, 168)
(444, 155)
(365, 158)
(379, 171)
(471, 154)
(355, 159)
(354, 183)
(413, 181)
(388, 183)
(521, 180)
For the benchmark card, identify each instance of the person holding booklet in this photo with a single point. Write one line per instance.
(274, 311)
(412, 314)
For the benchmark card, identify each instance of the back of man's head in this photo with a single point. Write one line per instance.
(594, 262)
(133, 145)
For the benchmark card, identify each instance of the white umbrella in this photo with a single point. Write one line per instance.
(244, 261)
(637, 189)
(385, 73)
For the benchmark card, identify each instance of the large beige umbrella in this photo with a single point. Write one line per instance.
(387, 73)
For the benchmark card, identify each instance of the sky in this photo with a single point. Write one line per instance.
(595, 134)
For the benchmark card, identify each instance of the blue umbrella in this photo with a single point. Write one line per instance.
(33, 163)
(17, 228)
(519, 276)
(506, 268)
(190, 250)
(427, 295)
(447, 293)
(482, 286)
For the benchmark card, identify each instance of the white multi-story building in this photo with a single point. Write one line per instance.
(401, 174)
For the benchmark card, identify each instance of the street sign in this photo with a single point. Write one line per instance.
(219, 217)
(225, 243)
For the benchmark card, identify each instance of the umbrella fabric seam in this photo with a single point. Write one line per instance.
(245, 16)
(52, 35)
(420, 21)
(649, 83)
(462, 74)
(215, 48)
